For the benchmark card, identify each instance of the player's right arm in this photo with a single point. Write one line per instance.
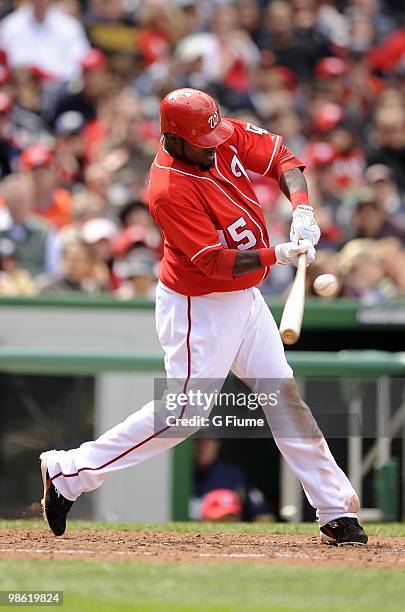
(284, 253)
(193, 232)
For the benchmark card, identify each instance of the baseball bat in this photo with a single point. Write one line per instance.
(291, 320)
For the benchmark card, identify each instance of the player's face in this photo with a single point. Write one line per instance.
(197, 156)
(185, 151)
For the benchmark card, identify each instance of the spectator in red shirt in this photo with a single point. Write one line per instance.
(50, 201)
(161, 26)
(348, 162)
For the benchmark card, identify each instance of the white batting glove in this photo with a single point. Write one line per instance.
(287, 252)
(304, 225)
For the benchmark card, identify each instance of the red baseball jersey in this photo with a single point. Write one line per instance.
(201, 214)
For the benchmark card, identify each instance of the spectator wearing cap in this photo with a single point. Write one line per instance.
(221, 505)
(83, 96)
(7, 150)
(379, 178)
(99, 234)
(330, 73)
(139, 229)
(30, 125)
(211, 474)
(325, 117)
(348, 162)
(138, 273)
(37, 246)
(326, 193)
(50, 201)
(41, 35)
(350, 83)
(13, 280)
(70, 148)
(371, 220)
(318, 157)
(76, 274)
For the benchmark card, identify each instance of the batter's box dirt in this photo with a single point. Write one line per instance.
(386, 552)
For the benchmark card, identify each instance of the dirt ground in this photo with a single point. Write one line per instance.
(381, 552)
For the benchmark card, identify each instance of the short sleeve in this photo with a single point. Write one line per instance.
(285, 160)
(263, 152)
(257, 148)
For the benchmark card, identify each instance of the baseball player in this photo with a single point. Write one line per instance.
(210, 317)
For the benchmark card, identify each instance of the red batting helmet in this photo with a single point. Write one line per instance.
(194, 116)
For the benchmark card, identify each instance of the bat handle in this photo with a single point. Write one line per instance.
(302, 262)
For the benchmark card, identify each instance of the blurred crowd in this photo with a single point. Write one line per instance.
(80, 88)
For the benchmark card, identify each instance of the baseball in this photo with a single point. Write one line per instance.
(326, 285)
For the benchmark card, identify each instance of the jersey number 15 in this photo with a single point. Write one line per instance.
(238, 235)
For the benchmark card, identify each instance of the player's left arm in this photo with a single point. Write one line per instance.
(265, 154)
(288, 171)
(303, 226)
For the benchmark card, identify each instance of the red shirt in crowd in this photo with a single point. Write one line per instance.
(58, 211)
(205, 216)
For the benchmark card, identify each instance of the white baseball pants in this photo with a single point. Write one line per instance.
(204, 338)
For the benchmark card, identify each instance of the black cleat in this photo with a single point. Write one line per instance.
(54, 506)
(342, 531)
